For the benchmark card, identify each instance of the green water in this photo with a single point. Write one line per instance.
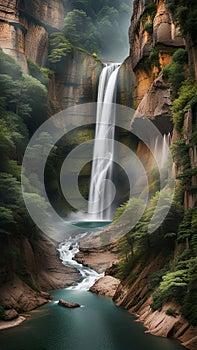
(97, 325)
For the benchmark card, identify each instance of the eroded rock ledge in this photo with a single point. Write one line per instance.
(106, 286)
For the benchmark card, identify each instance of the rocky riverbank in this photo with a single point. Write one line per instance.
(27, 276)
(159, 323)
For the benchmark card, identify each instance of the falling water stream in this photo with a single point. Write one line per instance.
(101, 189)
(161, 148)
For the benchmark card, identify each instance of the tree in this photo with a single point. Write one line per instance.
(79, 30)
(60, 47)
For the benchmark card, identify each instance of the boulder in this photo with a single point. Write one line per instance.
(106, 286)
(67, 304)
(10, 314)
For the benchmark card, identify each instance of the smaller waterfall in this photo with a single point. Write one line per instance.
(101, 192)
(161, 148)
(67, 251)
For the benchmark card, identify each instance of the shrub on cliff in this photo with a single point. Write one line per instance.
(185, 14)
(174, 71)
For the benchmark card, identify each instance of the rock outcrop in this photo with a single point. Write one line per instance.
(153, 39)
(106, 286)
(68, 304)
(156, 105)
(98, 259)
(33, 267)
(76, 79)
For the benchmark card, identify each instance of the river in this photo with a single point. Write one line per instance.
(97, 325)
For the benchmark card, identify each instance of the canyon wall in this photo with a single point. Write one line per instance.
(153, 40)
(29, 266)
(24, 28)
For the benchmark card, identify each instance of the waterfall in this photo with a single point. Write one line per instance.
(161, 148)
(101, 192)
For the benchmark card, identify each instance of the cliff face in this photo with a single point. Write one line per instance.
(33, 267)
(24, 27)
(24, 33)
(153, 39)
(76, 79)
(30, 265)
(135, 297)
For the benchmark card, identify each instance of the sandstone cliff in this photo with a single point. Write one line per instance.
(30, 266)
(24, 27)
(76, 79)
(153, 40)
(136, 298)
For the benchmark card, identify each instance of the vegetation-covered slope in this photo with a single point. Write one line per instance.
(100, 27)
(174, 279)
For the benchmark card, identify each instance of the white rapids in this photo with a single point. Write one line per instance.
(67, 251)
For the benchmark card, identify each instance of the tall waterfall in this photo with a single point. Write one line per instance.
(101, 189)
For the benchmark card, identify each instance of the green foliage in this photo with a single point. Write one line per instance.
(34, 94)
(174, 71)
(7, 220)
(25, 96)
(9, 66)
(171, 312)
(173, 285)
(23, 103)
(79, 30)
(148, 27)
(10, 203)
(139, 240)
(154, 58)
(10, 193)
(41, 74)
(148, 14)
(179, 285)
(92, 25)
(185, 14)
(187, 98)
(189, 307)
(155, 278)
(60, 47)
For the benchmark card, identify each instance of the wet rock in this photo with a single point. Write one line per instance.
(10, 314)
(106, 286)
(67, 304)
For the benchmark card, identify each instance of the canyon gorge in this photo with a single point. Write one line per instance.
(30, 266)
